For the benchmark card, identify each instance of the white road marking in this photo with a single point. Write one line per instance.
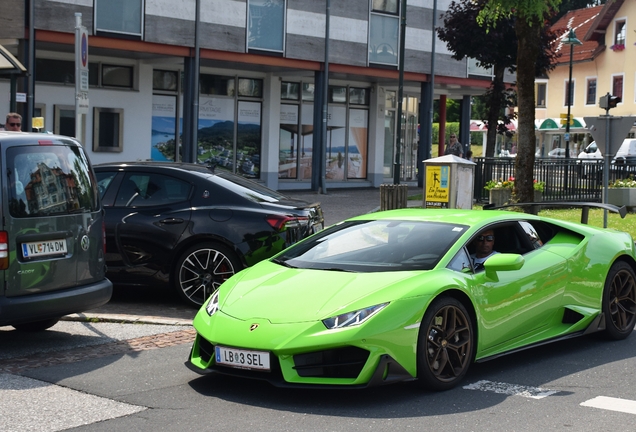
(510, 389)
(612, 404)
(29, 404)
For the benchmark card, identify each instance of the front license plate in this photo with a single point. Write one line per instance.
(242, 359)
(44, 248)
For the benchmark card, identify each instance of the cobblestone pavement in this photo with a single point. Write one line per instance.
(18, 365)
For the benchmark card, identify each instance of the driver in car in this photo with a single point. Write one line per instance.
(484, 248)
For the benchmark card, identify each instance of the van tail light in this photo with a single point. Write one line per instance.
(104, 236)
(283, 222)
(4, 250)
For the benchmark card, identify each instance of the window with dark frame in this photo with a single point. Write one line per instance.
(617, 86)
(250, 87)
(63, 72)
(384, 32)
(619, 34)
(217, 85)
(289, 90)
(108, 129)
(117, 76)
(591, 91)
(266, 24)
(541, 90)
(165, 80)
(123, 17)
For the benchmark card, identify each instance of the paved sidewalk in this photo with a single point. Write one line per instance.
(148, 306)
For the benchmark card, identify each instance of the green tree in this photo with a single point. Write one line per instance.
(530, 17)
(491, 47)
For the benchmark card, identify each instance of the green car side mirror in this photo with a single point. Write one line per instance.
(502, 262)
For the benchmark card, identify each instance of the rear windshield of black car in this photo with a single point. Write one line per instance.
(374, 246)
(49, 180)
(249, 189)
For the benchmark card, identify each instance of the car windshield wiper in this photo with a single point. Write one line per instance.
(338, 269)
(283, 263)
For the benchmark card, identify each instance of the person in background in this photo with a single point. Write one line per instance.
(469, 155)
(455, 147)
(13, 123)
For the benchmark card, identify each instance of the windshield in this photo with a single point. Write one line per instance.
(50, 180)
(374, 246)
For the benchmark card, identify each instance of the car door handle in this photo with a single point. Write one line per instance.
(171, 221)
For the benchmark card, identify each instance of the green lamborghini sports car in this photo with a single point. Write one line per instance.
(397, 295)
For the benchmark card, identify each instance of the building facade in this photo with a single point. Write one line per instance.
(603, 63)
(260, 65)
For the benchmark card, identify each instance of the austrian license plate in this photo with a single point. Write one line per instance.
(242, 359)
(44, 248)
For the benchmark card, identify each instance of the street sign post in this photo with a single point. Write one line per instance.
(81, 75)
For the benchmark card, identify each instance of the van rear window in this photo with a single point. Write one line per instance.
(49, 180)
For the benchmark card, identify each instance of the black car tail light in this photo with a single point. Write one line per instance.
(283, 222)
(4, 250)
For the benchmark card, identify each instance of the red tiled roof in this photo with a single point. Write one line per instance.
(581, 21)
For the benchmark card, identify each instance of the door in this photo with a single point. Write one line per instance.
(52, 218)
(144, 223)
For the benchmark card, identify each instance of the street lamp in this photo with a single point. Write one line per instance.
(569, 40)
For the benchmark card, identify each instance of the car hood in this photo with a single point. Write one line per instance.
(288, 295)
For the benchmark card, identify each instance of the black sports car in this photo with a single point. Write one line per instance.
(188, 227)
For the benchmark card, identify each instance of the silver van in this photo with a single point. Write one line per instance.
(52, 233)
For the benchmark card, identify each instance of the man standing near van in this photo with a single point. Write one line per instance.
(14, 122)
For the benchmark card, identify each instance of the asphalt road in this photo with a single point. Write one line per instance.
(574, 385)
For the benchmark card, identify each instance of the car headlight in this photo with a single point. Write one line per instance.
(213, 303)
(353, 318)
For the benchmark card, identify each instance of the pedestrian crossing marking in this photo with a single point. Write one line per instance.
(612, 404)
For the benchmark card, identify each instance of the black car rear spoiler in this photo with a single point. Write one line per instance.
(585, 207)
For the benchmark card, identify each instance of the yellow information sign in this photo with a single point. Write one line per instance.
(437, 186)
(38, 122)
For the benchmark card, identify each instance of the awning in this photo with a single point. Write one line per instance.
(555, 124)
(549, 124)
(9, 64)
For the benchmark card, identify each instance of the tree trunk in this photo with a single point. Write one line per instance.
(528, 39)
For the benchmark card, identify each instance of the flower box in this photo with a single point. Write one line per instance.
(499, 197)
(622, 196)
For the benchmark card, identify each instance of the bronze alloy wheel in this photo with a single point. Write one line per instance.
(446, 344)
(619, 301)
(202, 269)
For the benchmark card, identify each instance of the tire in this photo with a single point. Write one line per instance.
(36, 326)
(619, 301)
(201, 269)
(446, 344)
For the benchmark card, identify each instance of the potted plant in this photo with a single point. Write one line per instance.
(622, 192)
(500, 191)
(538, 187)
